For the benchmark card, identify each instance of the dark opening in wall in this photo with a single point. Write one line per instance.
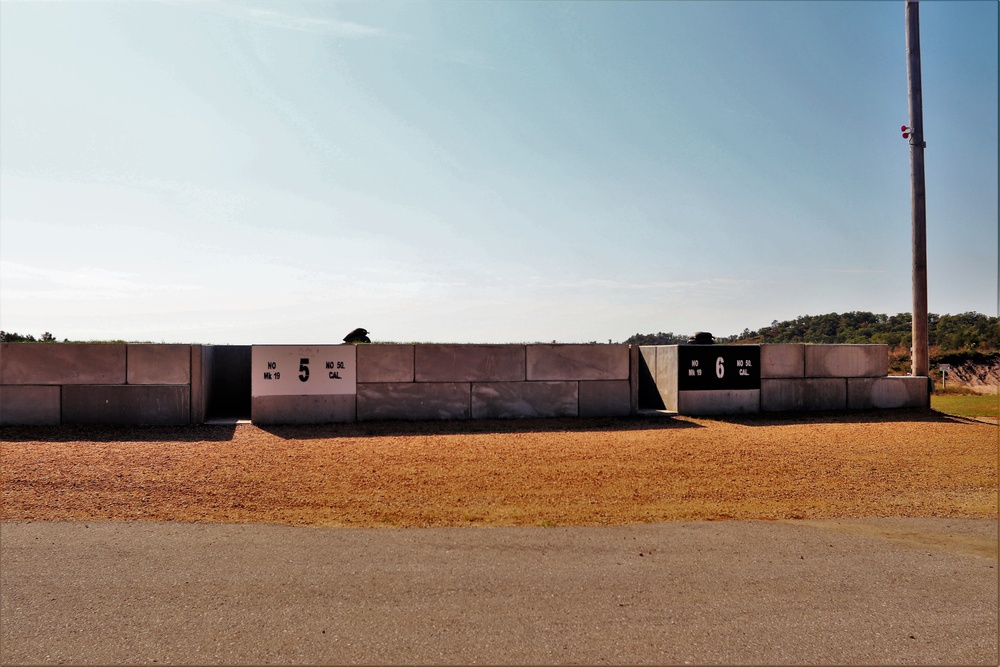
(229, 377)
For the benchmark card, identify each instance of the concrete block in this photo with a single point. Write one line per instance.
(502, 400)
(385, 363)
(667, 368)
(468, 363)
(605, 398)
(649, 394)
(312, 409)
(782, 361)
(577, 362)
(887, 393)
(718, 402)
(29, 405)
(414, 400)
(781, 394)
(207, 379)
(846, 361)
(633, 379)
(166, 405)
(199, 385)
(158, 364)
(62, 363)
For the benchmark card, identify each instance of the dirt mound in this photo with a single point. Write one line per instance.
(980, 378)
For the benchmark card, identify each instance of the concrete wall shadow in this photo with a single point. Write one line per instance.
(475, 426)
(842, 417)
(106, 433)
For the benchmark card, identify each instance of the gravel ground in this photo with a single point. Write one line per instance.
(508, 473)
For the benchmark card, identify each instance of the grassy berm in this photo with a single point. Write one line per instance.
(919, 463)
(967, 405)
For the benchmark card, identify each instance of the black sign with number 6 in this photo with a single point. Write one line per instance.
(706, 367)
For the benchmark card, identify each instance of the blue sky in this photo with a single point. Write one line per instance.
(283, 172)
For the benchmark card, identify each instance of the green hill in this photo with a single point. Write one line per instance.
(956, 339)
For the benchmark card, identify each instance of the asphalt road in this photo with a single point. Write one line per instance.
(884, 591)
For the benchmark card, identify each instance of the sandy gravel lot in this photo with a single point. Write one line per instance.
(508, 473)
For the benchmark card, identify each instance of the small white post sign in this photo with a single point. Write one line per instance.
(944, 374)
(303, 370)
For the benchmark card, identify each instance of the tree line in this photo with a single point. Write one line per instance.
(962, 332)
(11, 337)
(969, 335)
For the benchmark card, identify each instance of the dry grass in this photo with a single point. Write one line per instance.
(544, 472)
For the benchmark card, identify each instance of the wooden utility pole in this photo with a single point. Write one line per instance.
(918, 203)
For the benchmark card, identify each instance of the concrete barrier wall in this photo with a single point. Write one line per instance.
(794, 377)
(199, 383)
(315, 409)
(454, 382)
(658, 377)
(30, 405)
(61, 363)
(782, 394)
(47, 384)
(410, 400)
(158, 364)
(56, 383)
(607, 398)
(824, 377)
(823, 361)
(663, 364)
(497, 382)
(782, 361)
(126, 404)
(888, 392)
(60, 383)
(718, 402)
(468, 363)
(502, 400)
(649, 392)
(386, 363)
(577, 362)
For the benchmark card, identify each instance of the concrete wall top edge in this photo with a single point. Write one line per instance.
(465, 363)
(385, 363)
(159, 364)
(577, 362)
(846, 360)
(782, 360)
(62, 363)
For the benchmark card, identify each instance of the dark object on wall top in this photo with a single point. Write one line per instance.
(359, 335)
(702, 338)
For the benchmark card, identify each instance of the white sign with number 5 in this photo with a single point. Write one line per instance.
(303, 370)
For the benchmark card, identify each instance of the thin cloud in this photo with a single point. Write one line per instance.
(273, 19)
(22, 281)
(853, 270)
(599, 283)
